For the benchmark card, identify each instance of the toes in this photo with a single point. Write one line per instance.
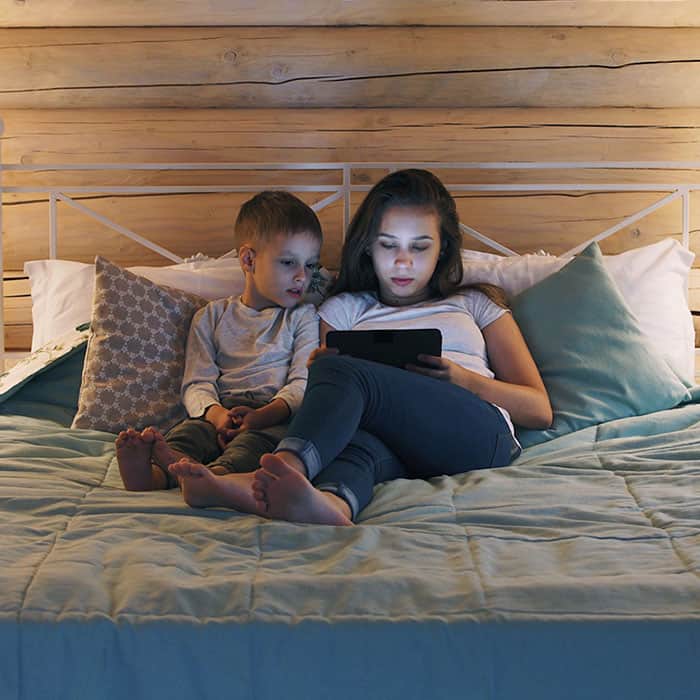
(148, 434)
(178, 467)
(263, 478)
(261, 501)
(186, 467)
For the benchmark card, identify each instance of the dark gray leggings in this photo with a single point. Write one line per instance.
(362, 423)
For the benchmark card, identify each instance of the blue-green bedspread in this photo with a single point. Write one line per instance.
(573, 573)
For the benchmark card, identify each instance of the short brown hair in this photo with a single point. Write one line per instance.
(272, 212)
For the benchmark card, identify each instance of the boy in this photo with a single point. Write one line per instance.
(245, 367)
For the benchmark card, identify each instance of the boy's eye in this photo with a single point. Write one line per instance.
(314, 267)
(287, 263)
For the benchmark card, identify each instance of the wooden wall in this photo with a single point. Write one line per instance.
(122, 81)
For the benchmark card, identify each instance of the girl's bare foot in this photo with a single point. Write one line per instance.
(203, 489)
(134, 459)
(286, 494)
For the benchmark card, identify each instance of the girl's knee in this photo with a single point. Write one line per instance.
(331, 364)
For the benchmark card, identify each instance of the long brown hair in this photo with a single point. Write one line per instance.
(406, 188)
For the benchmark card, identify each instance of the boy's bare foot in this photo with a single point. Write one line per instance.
(134, 459)
(161, 453)
(203, 489)
(286, 494)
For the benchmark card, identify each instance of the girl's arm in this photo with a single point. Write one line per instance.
(517, 386)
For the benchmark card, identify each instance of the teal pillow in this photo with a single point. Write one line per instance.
(593, 358)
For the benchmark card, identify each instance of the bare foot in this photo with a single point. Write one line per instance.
(161, 453)
(286, 494)
(134, 459)
(203, 489)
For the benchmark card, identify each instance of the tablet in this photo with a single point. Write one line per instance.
(390, 347)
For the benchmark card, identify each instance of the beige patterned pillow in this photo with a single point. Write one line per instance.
(136, 353)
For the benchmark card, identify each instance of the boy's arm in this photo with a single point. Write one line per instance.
(306, 339)
(199, 388)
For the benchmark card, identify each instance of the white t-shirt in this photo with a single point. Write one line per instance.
(460, 318)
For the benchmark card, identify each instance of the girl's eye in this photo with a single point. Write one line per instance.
(420, 250)
(388, 246)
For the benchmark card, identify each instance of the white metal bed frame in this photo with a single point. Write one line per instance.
(333, 193)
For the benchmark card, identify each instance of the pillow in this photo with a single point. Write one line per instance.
(62, 289)
(136, 353)
(42, 360)
(594, 359)
(653, 281)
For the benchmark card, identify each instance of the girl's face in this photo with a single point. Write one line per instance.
(405, 253)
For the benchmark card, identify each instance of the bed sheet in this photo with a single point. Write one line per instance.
(574, 570)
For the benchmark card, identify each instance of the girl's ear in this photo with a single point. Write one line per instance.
(247, 257)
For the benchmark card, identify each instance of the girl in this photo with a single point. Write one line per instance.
(362, 423)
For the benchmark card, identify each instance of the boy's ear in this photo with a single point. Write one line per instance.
(247, 257)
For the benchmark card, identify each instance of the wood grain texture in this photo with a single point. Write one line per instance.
(334, 135)
(281, 67)
(68, 13)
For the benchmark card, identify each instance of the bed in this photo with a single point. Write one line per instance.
(574, 572)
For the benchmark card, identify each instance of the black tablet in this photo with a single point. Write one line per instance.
(391, 347)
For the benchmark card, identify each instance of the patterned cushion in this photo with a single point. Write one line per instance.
(136, 353)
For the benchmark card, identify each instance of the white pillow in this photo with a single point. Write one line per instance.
(62, 290)
(652, 279)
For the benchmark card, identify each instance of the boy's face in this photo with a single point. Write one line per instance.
(279, 271)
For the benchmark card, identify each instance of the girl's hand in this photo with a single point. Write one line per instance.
(320, 352)
(439, 368)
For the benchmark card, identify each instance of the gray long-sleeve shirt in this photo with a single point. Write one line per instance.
(235, 353)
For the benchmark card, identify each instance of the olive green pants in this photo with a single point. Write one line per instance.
(196, 438)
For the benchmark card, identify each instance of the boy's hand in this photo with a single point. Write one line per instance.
(320, 352)
(218, 416)
(240, 418)
(245, 418)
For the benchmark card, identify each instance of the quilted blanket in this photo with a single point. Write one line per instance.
(575, 573)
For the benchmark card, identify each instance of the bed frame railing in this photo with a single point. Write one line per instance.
(333, 193)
